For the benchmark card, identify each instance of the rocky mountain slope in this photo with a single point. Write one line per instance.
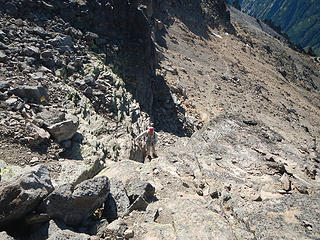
(237, 110)
(298, 19)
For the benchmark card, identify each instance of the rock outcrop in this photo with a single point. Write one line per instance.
(229, 178)
(64, 130)
(23, 194)
(117, 203)
(31, 94)
(75, 205)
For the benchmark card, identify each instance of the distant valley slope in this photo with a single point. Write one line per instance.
(299, 19)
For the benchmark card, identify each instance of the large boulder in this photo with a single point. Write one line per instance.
(48, 117)
(34, 94)
(64, 130)
(21, 195)
(74, 205)
(124, 170)
(128, 191)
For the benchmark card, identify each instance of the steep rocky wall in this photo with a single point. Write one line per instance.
(120, 23)
(126, 25)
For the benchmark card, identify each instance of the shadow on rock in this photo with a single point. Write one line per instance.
(72, 148)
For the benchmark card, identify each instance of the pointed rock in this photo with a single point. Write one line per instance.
(38, 135)
(3, 57)
(286, 183)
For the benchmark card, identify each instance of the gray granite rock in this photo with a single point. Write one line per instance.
(23, 194)
(117, 203)
(35, 94)
(73, 205)
(64, 130)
